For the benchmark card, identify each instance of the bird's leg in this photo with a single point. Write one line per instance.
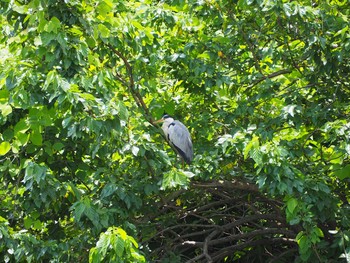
(183, 164)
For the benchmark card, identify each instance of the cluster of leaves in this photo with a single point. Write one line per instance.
(262, 85)
(115, 245)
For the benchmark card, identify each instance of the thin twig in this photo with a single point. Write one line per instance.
(270, 76)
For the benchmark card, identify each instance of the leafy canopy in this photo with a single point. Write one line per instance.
(262, 86)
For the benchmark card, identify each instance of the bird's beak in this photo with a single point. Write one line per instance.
(159, 121)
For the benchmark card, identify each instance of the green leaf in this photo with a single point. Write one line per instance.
(108, 190)
(292, 203)
(256, 155)
(34, 173)
(5, 109)
(122, 111)
(87, 96)
(46, 38)
(23, 138)
(78, 209)
(121, 232)
(28, 222)
(343, 173)
(133, 241)
(303, 243)
(342, 31)
(36, 138)
(290, 9)
(291, 110)
(119, 246)
(137, 25)
(318, 232)
(103, 243)
(93, 216)
(175, 178)
(51, 77)
(58, 146)
(4, 147)
(253, 144)
(169, 107)
(94, 256)
(116, 156)
(104, 8)
(21, 127)
(4, 96)
(103, 31)
(53, 25)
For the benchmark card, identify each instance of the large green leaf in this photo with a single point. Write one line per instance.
(343, 173)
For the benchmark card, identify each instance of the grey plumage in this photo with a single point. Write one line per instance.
(179, 136)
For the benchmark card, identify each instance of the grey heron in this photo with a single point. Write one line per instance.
(178, 136)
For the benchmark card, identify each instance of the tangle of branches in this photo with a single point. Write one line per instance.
(230, 221)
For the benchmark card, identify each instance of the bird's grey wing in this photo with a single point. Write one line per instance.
(180, 137)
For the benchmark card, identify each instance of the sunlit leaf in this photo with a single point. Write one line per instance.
(253, 144)
(5, 109)
(21, 126)
(119, 246)
(103, 31)
(4, 148)
(135, 150)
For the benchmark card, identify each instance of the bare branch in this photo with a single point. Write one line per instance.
(239, 217)
(234, 184)
(206, 243)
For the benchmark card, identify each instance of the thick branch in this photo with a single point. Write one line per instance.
(234, 184)
(206, 244)
(230, 238)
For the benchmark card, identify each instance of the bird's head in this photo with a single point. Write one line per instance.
(165, 118)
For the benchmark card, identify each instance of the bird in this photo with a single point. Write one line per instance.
(178, 136)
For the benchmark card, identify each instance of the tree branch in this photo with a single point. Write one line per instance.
(272, 75)
(234, 184)
(131, 85)
(227, 251)
(236, 219)
(135, 93)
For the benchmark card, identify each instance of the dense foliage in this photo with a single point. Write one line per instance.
(86, 175)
